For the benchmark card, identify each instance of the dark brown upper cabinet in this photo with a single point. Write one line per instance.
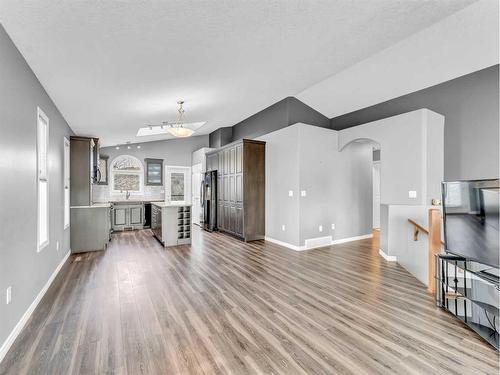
(153, 172)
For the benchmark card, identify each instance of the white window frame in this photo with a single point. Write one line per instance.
(42, 137)
(66, 183)
(139, 173)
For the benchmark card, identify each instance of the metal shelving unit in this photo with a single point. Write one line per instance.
(470, 292)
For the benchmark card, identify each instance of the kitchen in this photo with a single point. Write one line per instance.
(130, 187)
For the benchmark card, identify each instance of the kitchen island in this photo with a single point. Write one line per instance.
(171, 223)
(130, 214)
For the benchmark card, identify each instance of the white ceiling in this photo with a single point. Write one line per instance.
(112, 67)
(464, 42)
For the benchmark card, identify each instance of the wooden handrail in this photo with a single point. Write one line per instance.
(418, 228)
(435, 242)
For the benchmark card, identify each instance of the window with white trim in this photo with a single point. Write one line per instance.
(42, 146)
(126, 174)
(66, 183)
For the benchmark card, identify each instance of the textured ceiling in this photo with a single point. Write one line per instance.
(112, 66)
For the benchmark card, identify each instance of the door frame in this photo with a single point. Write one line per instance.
(196, 170)
(169, 169)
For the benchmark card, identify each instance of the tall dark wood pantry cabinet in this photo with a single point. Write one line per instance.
(241, 188)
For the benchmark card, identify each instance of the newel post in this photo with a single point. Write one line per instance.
(435, 245)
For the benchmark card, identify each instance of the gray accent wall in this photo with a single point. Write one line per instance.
(471, 132)
(21, 266)
(221, 137)
(284, 113)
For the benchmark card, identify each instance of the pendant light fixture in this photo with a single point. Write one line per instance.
(177, 128)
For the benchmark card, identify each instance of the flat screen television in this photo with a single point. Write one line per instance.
(471, 219)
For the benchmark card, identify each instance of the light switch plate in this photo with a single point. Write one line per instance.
(283, 227)
(8, 295)
(412, 194)
(320, 228)
(302, 193)
(333, 226)
(290, 193)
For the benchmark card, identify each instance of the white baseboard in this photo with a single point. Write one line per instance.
(24, 319)
(319, 242)
(350, 239)
(389, 258)
(282, 243)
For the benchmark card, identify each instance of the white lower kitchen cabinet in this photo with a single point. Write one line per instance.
(171, 224)
(90, 227)
(128, 216)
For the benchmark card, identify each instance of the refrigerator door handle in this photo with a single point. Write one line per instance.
(202, 193)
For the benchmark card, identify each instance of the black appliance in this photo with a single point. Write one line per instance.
(147, 215)
(471, 219)
(209, 200)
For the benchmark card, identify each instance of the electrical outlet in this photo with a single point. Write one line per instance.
(302, 193)
(412, 194)
(290, 193)
(333, 226)
(8, 295)
(320, 228)
(283, 228)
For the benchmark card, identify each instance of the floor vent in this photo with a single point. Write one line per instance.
(318, 242)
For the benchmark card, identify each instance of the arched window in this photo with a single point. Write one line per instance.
(126, 174)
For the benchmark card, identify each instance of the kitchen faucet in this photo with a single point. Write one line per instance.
(127, 194)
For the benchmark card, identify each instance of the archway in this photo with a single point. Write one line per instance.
(375, 168)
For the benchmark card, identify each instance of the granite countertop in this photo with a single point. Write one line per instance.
(95, 205)
(130, 201)
(165, 204)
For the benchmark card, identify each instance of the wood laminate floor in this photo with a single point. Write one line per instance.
(227, 307)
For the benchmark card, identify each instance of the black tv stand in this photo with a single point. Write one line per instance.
(492, 274)
(471, 292)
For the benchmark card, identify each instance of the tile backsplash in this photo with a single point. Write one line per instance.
(101, 193)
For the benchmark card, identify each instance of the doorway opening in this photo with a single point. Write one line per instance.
(364, 156)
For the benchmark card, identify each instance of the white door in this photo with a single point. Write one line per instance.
(196, 177)
(376, 194)
(177, 185)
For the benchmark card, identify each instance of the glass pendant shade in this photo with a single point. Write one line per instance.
(180, 131)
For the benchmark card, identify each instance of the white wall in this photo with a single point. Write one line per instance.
(282, 175)
(337, 184)
(397, 237)
(462, 43)
(198, 157)
(354, 191)
(411, 158)
(336, 174)
(411, 154)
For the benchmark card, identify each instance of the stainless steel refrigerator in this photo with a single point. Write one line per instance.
(209, 200)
